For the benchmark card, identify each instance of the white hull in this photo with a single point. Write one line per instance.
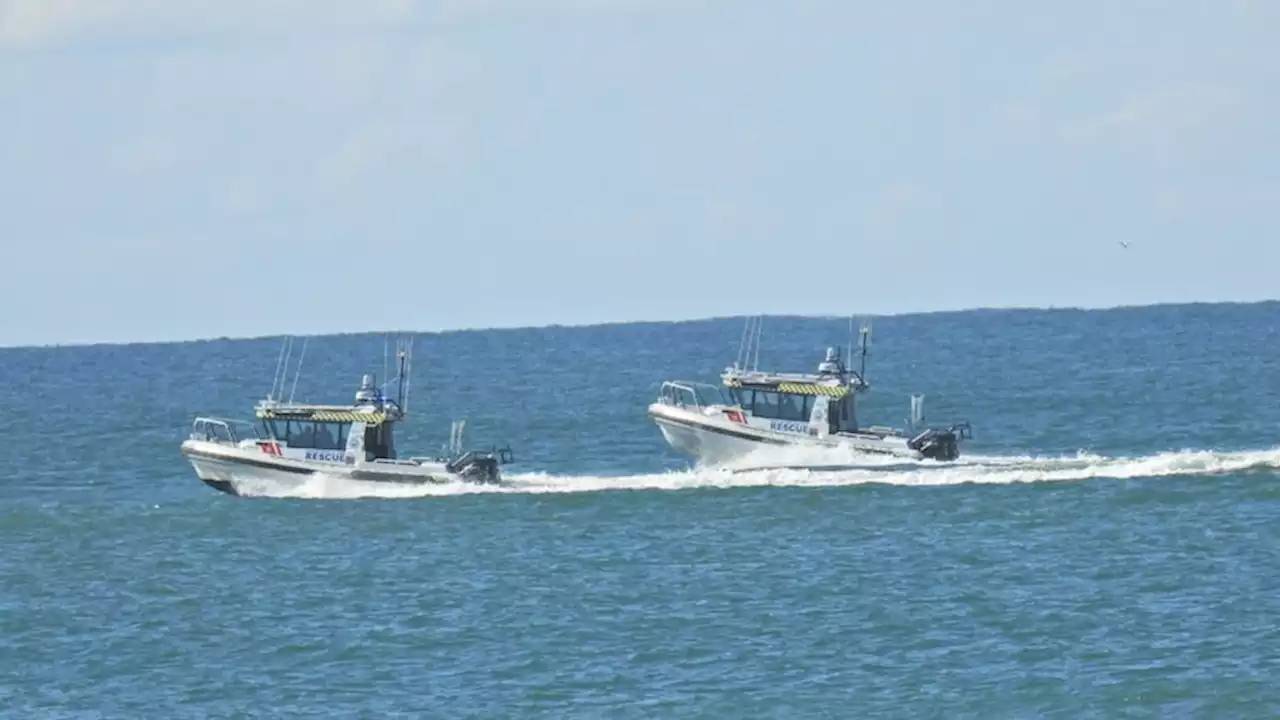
(243, 479)
(248, 471)
(715, 440)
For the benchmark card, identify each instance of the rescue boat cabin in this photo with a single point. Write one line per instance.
(348, 434)
(818, 405)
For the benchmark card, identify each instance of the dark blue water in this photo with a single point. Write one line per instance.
(1109, 547)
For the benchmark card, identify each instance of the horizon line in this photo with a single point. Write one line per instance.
(620, 323)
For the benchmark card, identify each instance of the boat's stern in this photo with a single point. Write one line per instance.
(480, 467)
(474, 466)
(941, 444)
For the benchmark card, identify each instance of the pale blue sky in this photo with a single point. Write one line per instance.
(191, 169)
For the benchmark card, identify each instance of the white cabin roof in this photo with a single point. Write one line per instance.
(370, 414)
(792, 383)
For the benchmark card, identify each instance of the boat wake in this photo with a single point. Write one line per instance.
(824, 472)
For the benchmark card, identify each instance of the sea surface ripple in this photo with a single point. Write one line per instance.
(1107, 547)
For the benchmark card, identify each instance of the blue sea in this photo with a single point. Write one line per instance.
(1108, 545)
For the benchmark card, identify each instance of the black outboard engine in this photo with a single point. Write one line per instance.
(478, 468)
(936, 444)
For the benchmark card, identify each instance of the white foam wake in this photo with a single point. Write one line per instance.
(987, 470)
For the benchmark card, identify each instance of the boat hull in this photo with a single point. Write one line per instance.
(241, 472)
(236, 476)
(713, 440)
(707, 442)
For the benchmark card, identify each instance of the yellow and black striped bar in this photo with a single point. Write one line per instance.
(795, 388)
(324, 416)
(809, 389)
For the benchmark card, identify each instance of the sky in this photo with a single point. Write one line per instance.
(178, 170)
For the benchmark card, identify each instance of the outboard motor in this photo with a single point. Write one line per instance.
(476, 468)
(936, 444)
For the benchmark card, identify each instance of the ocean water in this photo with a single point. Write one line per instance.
(1107, 547)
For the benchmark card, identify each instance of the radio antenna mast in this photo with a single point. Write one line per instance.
(741, 362)
(298, 372)
(848, 358)
(866, 341)
(404, 355)
(282, 369)
(759, 330)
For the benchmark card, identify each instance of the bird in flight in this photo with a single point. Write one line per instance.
(1124, 243)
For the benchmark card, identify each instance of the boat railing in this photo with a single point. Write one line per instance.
(221, 430)
(694, 395)
(403, 462)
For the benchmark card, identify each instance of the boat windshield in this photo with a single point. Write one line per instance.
(694, 395)
(308, 434)
(220, 430)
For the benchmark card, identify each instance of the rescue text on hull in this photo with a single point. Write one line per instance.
(753, 409)
(289, 443)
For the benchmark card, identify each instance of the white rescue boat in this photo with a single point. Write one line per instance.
(288, 443)
(752, 409)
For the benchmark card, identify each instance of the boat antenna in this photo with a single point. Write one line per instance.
(386, 341)
(408, 377)
(400, 379)
(848, 359)
(282, 362)
(275, 377)
(404, 355)
(866, 341)
(297, 372)
(741, 362)
(759, 327)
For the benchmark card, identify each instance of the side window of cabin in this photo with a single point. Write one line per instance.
(795, 408)
(300, 434)
(765, 405)
(328, 435)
